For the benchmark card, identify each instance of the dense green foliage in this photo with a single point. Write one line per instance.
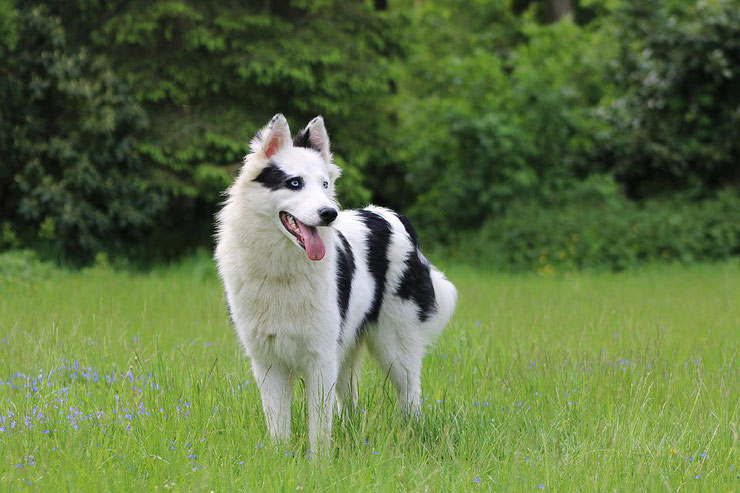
(459, 113)
(206, 76)
(643, 94)
(606, 382)
(71, 179)
(502, 120)
(677, 125)
(606, 232)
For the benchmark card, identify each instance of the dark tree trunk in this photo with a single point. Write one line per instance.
(559, 8)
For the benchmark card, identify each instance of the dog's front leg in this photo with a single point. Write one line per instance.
(276, 386)
(320, 386)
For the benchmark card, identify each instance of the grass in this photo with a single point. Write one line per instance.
(112, 381)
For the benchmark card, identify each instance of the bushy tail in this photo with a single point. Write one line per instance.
(446, 297)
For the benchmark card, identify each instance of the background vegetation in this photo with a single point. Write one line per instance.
(503, 127)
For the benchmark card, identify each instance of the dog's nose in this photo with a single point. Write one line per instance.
(327, 215)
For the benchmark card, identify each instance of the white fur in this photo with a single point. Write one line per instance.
(284, 306)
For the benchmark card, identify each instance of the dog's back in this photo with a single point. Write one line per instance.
(384, 279)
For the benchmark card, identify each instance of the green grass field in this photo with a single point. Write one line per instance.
(135, 382)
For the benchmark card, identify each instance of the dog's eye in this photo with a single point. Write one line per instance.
(326, 184)
(294, 183)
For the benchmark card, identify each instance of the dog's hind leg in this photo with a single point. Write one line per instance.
(321, 381)
(276, 387)
(400, 358)
(348, 380)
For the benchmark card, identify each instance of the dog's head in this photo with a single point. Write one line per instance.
(293, 181)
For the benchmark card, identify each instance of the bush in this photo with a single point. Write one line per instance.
(24, 265)
(509, 116)
(210, 74)
(676, 124)
(611, 233)
(71, 181)
(122, 122)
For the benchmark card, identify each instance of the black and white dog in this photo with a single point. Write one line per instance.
(309, 286)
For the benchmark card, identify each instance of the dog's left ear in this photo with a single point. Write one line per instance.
(314, 137)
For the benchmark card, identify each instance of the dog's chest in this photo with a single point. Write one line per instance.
(287, 320)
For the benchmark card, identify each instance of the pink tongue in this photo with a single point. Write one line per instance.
(315, 248)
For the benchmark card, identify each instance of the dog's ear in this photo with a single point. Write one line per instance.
(314, 137)
(273, 137)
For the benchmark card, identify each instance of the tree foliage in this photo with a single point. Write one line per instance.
(207, 75)
(123, 120)
(71, 180)
(676, 125)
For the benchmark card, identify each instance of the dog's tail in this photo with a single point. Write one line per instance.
(445, 295)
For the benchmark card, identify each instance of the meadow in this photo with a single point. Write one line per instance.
(116, 381)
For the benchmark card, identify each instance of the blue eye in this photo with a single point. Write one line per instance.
(294, 183)
(326, 184)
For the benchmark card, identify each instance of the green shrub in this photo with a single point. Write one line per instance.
(24, 265)
(676, 123)
(71, 181)
(122, 121)
(210, 74)
(609, 233)
(509, 115)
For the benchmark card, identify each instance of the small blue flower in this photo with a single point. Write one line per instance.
(476, 480)
(541, 486)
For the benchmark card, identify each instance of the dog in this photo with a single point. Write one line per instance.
(309, 286)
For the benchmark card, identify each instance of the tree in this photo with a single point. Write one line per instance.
(71, 181)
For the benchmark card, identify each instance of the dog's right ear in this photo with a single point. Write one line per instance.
(273, 137)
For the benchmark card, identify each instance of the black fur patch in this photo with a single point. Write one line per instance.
(272, 177)
(378, 240)
(345, 274)
(302, 139)
(409, 228)
(416, 283)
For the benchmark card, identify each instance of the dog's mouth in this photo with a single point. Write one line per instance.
(307, 236)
